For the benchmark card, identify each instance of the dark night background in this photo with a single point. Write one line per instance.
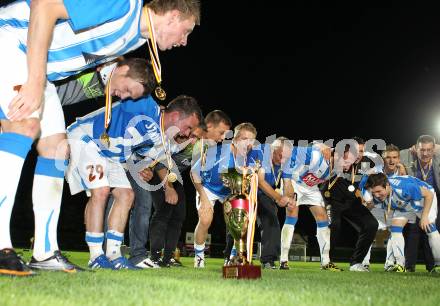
(303, 69)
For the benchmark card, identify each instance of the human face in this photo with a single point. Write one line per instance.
(281, 154)
(360, 152)
(175, 31)
(125, 87)
(425, 152)
(380, 193)
(391, 160)
(217, 132)
(244, 142)
(185, 125)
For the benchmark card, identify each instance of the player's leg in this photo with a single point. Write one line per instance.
(201, 230)
(117, 221)
(270, 231)
(434, 236)
(398, 245)
(287, 233)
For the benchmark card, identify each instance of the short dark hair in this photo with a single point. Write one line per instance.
(359, 140)
(188, 8)
(391, 148)
(426, 139)
(216, 117)
(140, 70)
(186, 106)
(377, 179)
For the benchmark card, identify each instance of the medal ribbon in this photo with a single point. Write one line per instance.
(425, 174)
(164, 143)
(152, 47)
(108, 102)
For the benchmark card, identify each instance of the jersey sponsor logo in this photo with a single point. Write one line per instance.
(311, 180)
(92, 58)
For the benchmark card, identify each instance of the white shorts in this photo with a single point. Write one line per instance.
(211, 196)
(411, 215)
(308, 195)
(379, 214)
(88, 169)
(13, 73)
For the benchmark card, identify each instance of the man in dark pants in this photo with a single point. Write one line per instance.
(423, 163)
(341, 194)
(169, 201)
(169, 213)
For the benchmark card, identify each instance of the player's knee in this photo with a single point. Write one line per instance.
(124, 196)
(205, 220)
(100, 195)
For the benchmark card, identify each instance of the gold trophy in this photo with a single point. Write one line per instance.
(239, 213)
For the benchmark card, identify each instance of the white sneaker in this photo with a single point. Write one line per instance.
(147, 264)
(358, 268)
(199, 262)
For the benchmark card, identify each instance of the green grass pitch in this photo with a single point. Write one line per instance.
(305, 284)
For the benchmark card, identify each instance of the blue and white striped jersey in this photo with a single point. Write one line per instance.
(309, 166)
(406, 195)
(96, 32)
(134, 128)
(219, 159)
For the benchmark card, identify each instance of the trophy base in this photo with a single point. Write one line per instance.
(242, 272)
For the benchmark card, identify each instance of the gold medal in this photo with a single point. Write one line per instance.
(358, 194)
(278, 190)
(172, 177)
(105, 139)
(351, 188)
(160, 93)
(327, 194)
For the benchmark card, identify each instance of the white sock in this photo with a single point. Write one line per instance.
(95, 241)
(434, 242)
(233, 252)
(390, 260)
(323, 235)
(366, 261)
(13, 151)
(199, 250)
(114, 241)
(47, 192)
(398, 244)
(287, 236)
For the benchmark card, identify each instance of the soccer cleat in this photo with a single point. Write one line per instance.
(11, 264)
(331, 267)
(268, 265)
(164, 264)
(388, 268)
(284, 265)
(101, 262)
(148, 264)
(175, 263)
(398, 268)
(435, 270)
(367, 267)
(199, 262)
(358, 268)
(57, 262)
(122, 263)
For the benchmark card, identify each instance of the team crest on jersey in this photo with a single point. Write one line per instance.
(311, 180)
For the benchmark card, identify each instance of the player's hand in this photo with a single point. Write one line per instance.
(424, 223)
(146, 174)
(171, 196)
(284, 201)
(369, 205)
(401, 169)
(28, 100)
